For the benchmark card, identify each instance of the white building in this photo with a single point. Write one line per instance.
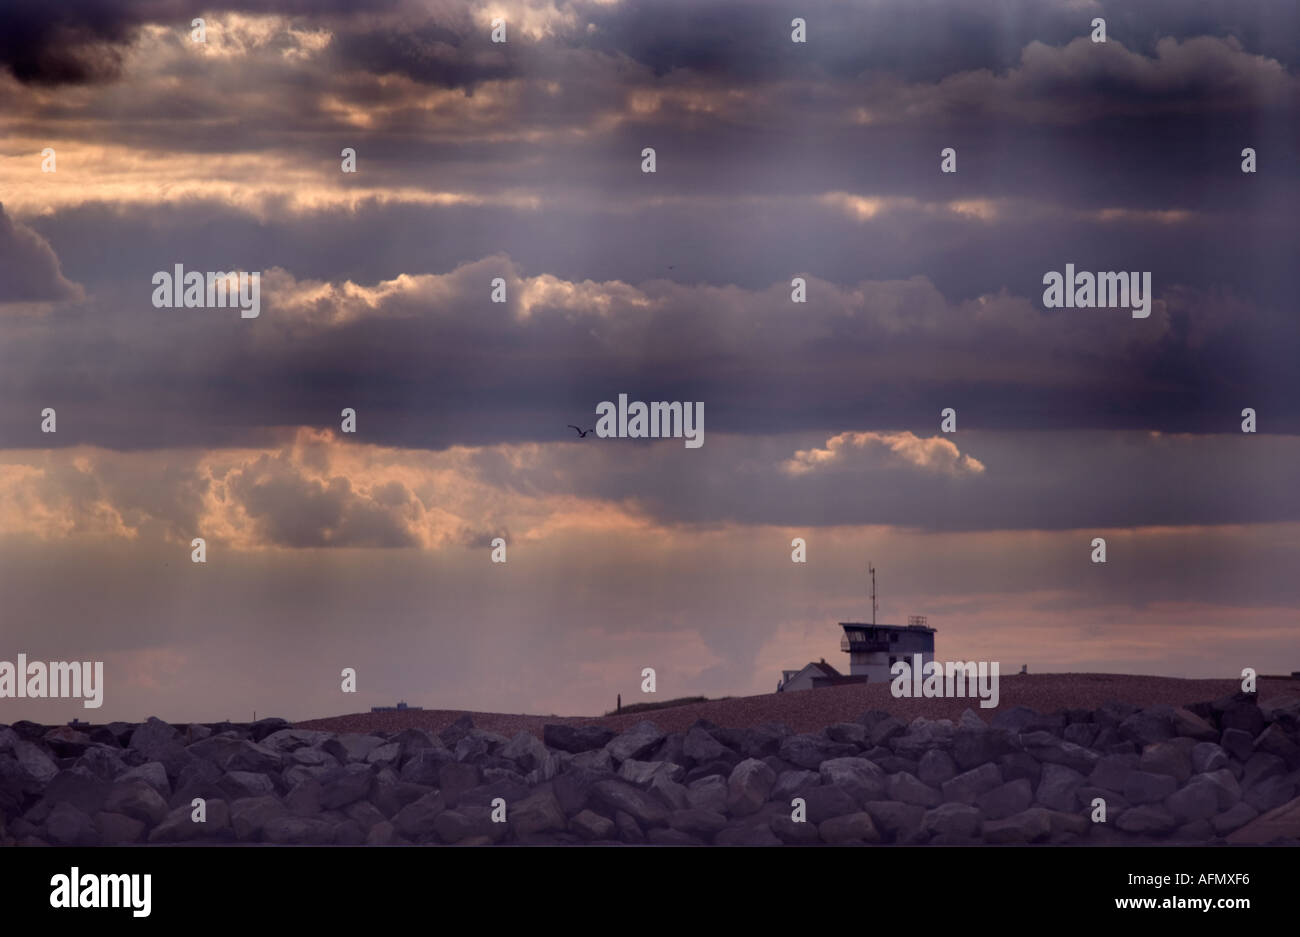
(873, 649)
(817, 674)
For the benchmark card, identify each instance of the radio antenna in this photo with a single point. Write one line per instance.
(873, 591)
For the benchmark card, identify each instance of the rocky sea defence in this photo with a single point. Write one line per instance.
(1215, 772)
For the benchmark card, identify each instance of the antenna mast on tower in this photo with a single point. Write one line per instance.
(872, 569)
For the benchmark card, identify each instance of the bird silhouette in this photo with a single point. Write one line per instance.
(581, 434)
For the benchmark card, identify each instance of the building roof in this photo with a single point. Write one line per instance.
(820, 671)
(866, 624)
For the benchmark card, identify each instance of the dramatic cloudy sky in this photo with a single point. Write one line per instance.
(822, 420)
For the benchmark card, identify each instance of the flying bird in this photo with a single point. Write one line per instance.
(581, 434)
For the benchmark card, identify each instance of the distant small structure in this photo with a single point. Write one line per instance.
(77, 723)
(873, 650)
(814, 676)
(401, 705)
(1024, 668)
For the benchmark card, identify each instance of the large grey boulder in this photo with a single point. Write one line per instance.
(468, 824)
(861, 779)
(1245, 716)
(898, 821)
(702, 823)
(853, 733)
(426, 766)
(418, 820)
(968, 785)
(1276, 741)
(699, 746)
(1006, 800)
(237, 784)
(636, 742)
(107, 764)
(1058, 787)
(909, 789)
(1270, 793)
(617, 795)
(351, 746)
(748, 787)
(234, 754)
(576, 739)
(1150, 725)
(1049, 749)
(77, 787)
(1198, 800)
(34, 762)
(1173, 758)
(708, 794)
(68, 826)
(795, 832)
(288, 740)
(1147, 819)
(591, 826)
(158, 741)
(850, 828)
(152, 773)
(249, 816)
(117, 830)
(298, 831)
(138, 799)
(539, 812)
(643, 773)
(179, 826)
(809, 751)
(823, 803)
(1209, 756)
(936, 766)
(344, 785)
(1234, 818)
(1028, 826)
(952, 819)
(1143, 787)
(526, 750)
(1112, 771)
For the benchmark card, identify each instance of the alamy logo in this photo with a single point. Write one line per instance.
(1083, 290)
(932, 680)
(657, 420)
(59, 679)
(221, 290)
(75, 890)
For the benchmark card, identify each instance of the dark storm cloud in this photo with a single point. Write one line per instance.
(451, 54)
(29, 269)
(67, 43)
(82, 41)
(431, 362)
(1080, 125)
(750, 39)
(1092, 155)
